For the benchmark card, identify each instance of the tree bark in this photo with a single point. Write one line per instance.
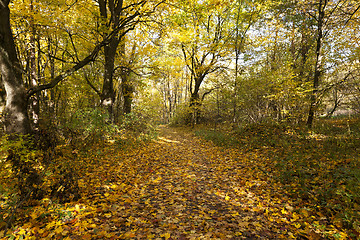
(127, 89)
(34, 101)
(195, 101)
(108, 93)
(318, 62)
(127, 92)
(16, 116)
(2, 97)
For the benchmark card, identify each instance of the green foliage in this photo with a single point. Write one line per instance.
(20, 175)
(28, 174)
(134, 122)
(222, 139)
(252, 136)
(181, 114)
(62, 176)
(88, 126)
(266, 134)
(21, 161)
(320, 167)
(136, 127)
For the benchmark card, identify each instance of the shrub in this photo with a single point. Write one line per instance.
(20, 175)
(87, 126)
(135, 127)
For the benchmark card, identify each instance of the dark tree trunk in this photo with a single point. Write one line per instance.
(51, 101)
(195, 102)
(108, 94)
(318, 63)
(195, 106)
(2, 96)
(16, 117)
(337, 102)
(114, 8)
(34, 100)
(127, 89)
(127, 92)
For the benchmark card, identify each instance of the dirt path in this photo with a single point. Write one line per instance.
(175, 187)
(196, 190)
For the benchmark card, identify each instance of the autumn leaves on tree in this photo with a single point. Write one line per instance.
(215, 42)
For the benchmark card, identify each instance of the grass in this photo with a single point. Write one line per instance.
(318, 168)
(222, 139)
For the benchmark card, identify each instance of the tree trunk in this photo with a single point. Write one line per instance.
(318, 63)
(108, 94)
(195, 101)
(16, 117)
(127, 92)
(337, 102)
(127, 88)
(34, 100)
(2, 97)
(194, 108)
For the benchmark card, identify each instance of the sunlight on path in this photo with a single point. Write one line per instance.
(175, 187)
(162, 139)
(199, 191)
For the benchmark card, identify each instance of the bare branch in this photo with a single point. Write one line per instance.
(351, 15)
(91, 85)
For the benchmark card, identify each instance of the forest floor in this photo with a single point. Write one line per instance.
(178, 186)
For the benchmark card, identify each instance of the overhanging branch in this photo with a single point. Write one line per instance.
(91, 57)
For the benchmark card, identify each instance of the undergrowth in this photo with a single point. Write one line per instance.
(319, 169)
(47, 167)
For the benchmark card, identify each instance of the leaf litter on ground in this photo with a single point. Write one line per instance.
(176, 187)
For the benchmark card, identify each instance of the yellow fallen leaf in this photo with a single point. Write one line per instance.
(59, 230)
(129, 234)
(166, 236)
(92, 225)
(150, 236)
(157, 180)
(295, 217)
(21, 231)
(304, 212)
(235, 214)
(50, 225)
(109, 235)
(77, 207)
(33, 215)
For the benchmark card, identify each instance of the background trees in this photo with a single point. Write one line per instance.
(279, 60)
(202, 39)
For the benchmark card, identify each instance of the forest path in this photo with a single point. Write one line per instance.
(198, 193)
(180, 187)
(192, 189)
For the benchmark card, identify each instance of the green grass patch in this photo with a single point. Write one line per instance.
(222, 139)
